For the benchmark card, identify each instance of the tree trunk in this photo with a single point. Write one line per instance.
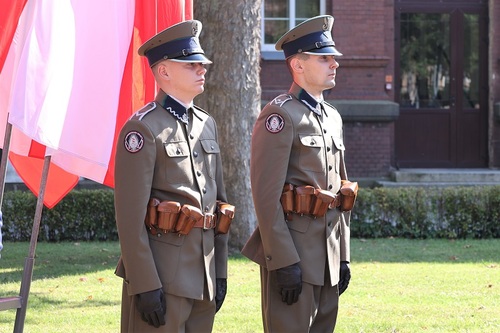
(231, 39)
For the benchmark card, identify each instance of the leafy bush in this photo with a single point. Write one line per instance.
(82, 215)
(406, 212)
(423, 212)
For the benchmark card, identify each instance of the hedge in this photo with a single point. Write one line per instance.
(425, 212)
(82, 215)
(406, 212)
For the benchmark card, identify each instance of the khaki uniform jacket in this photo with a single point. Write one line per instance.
(176, 162)
(291, 144)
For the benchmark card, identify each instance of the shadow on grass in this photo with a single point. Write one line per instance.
(57, 259)
(69, 258)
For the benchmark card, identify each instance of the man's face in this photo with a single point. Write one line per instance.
(320, 71)
(186, 79)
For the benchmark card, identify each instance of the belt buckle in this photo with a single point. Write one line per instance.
(208, 221)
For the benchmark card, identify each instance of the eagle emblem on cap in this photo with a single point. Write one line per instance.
(195, 28)
(325, 24)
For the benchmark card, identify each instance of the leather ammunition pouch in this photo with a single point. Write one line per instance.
(225, 215)
(307, 200)
(171, 216)
(348, 192)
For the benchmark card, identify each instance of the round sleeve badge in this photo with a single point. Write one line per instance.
(275, 123)
(133, 141)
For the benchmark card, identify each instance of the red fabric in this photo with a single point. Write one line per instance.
(59, 182)
(29, 168)
(9, 17)
(138, 85)
(137, 88)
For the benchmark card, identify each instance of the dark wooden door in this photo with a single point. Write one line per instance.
(443, 86)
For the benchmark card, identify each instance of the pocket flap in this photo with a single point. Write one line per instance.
(311, 140)
(210, 146)
(177, 149)
(339, 143)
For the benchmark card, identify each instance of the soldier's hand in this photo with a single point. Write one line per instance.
(289, 281)
(220, 293)
(345, 276)
(152, 307)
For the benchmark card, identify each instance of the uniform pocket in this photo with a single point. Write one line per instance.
(211, 149)
(178, 163)
(311, 156)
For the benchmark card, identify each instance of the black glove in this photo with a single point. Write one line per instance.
(220, 293)
(345, 276)
(289, 281)
(152, 307)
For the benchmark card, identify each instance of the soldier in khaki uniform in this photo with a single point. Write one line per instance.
(168, 169)
(296, 163)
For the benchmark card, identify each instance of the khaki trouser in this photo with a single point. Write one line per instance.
(183, 315)
(315, 312)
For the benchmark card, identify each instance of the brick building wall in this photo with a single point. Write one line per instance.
(360, 31)
(368, 148)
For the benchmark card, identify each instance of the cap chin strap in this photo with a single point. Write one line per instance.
(183, 53)
(174, 49)
(316, 45)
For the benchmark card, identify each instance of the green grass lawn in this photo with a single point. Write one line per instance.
(397, 286)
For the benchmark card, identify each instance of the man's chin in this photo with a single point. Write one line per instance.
(330, 85)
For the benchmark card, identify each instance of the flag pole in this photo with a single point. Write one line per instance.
(6, 303)
(5, 155)
(21, 302)
(30, 260)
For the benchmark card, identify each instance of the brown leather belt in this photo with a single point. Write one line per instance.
(307, 200)
(170, 216)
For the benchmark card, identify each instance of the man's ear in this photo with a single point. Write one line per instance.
(162, 70)
(296, 64)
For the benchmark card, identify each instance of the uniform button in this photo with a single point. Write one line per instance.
(268, 258)
(329, 224)
(178, 151)
(204, 191)
(207, 208)
(328, 149)
(313, 142)
(324, 130)
(198, 173)
(212, 147)
(195, 154)
(330, 187)
(158, 235)
(330, 167)
(191, 136)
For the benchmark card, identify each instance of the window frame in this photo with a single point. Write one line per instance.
(268, 49)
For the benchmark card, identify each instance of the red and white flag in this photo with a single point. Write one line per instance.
(71, 78)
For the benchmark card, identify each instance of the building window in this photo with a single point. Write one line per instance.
(279, 16)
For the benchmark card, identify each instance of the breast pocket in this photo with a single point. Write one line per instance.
(212, 151)
(311, 156)
(178, 163)
(338, 146)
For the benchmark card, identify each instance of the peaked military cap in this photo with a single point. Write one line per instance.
(313, 36)
(179, 42)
